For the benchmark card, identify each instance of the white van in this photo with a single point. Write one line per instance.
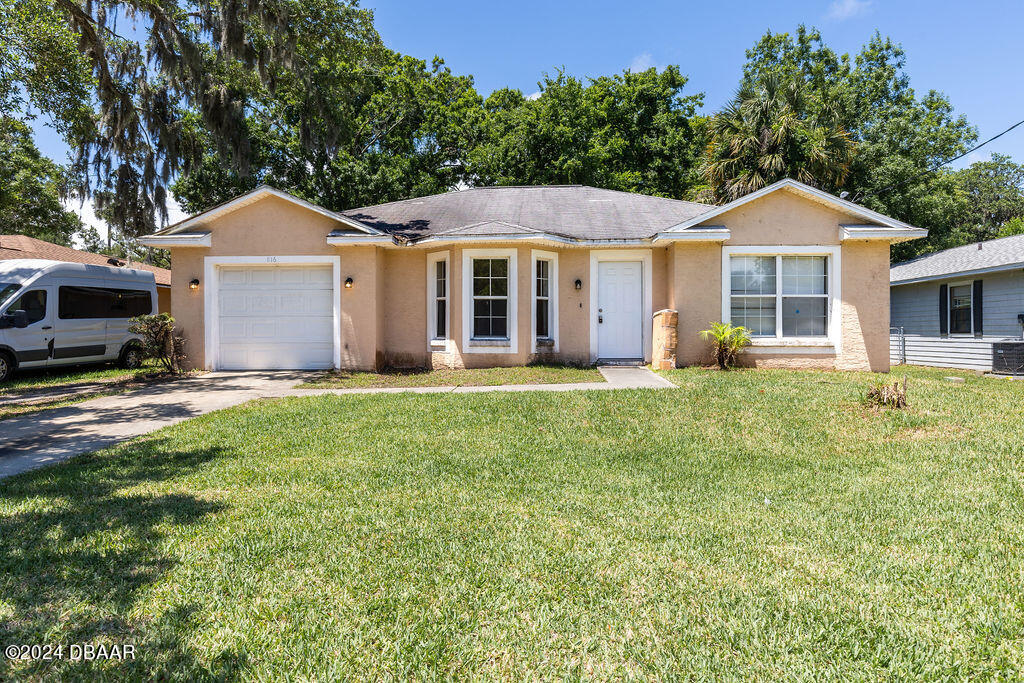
(54, 313)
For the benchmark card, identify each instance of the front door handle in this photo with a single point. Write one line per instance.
(48, 327)
(600, 318)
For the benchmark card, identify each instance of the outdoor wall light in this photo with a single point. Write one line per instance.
(348, 283)
(579, 283)
(194, 283)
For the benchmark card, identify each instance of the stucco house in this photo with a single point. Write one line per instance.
(950, 307)
(505, 275)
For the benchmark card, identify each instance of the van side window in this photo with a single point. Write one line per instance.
(102, 302)
(33, 303)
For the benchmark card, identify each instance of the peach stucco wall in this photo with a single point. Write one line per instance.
(788, 219)
(384, 315)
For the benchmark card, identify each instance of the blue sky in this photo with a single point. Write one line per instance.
(969, 50)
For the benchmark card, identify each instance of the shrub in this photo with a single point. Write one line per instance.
(728, 341)
(889, 395)
(160, 341)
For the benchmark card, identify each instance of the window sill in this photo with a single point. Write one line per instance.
(793, 345)
(439, 344)
(546, 343)
(791, 341)
(499, 343)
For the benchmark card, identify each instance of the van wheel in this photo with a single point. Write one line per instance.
(131, 358)
(6, 367)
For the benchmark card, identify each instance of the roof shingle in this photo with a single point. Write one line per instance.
(574, 211)
(994, 254)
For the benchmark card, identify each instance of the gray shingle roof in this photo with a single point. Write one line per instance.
(574, 211)
(1005, 252)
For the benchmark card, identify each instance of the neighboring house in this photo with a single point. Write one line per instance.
(953, 304)
(24, 247)
(507, 275)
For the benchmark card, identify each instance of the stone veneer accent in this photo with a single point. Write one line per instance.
(665, 339)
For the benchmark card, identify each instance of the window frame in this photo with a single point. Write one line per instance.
(504, 345)
(433, 339)
(969, 284)
(552, 259)
(833, 269)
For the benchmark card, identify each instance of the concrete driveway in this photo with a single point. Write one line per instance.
(51, 436)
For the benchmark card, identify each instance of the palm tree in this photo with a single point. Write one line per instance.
(771, 131)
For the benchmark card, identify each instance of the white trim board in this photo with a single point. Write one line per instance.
(490, 346)
(835, 299)
(646, 257)
(435, 343)
(211, 339)
(552, 257)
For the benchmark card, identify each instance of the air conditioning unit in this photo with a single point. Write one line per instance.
(1008, 357)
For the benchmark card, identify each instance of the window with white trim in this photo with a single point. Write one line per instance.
(960, 317)
(437, 297)
(490, 298)
(542, 292)
(780, 295)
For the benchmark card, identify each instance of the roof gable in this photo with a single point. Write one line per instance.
(813, 194)
(262, 192)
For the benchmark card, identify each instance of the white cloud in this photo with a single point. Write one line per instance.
(642, 62)
(534, 96)
(840, 10)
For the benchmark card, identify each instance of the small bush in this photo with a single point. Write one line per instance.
(889, 395)
(160, 341)
(728, 341)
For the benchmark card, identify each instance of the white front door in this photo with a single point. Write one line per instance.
(620, 333)
(275, 317)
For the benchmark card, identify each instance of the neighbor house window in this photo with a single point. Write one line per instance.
(490, 298)
(780, 295)
(437, 296)
(960, 309)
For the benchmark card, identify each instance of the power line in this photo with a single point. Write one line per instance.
(947, 161)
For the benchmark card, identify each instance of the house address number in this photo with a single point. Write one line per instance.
(271, 259)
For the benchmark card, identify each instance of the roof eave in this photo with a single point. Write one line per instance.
(177, 240)
(957, 273)
(875, 232)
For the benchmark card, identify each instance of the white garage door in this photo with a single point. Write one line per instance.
(276, 317)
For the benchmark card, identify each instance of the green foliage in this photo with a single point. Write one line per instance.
(995, 196)
(160, 340)
(1014, 226)
(141, 109)
(896, 134)
(635, 132)
(728, 340)
(30, 189)
(769, 132)
(401, 130)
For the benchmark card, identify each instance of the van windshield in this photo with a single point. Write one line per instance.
(7, 290)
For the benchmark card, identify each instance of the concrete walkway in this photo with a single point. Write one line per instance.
(52, 436)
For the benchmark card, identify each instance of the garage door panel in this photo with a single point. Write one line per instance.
(276, 317)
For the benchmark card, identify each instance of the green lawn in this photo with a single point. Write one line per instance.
(753, 524)
(530, 374)
(27, 380)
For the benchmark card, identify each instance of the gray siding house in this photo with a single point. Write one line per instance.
(948, 308)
